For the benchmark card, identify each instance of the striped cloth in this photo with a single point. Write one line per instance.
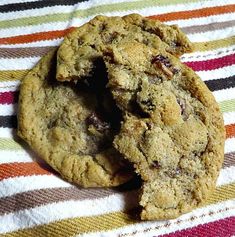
(34, 201)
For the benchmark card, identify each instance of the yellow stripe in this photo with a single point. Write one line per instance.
(13, 75)
(211, 45)
(72, 226)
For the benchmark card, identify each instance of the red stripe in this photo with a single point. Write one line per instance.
(220, 228)
(212, 64)
(9, 97)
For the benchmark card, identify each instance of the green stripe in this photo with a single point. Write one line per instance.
(227, 105)
(83, 13)
(9, 144)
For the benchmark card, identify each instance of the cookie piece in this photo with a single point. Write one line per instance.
(133, 67)
(173, 132)
(62, 122)
(81, 48)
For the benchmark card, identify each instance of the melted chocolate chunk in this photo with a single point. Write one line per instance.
(100, 125)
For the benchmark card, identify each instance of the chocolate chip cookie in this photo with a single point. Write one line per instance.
(172, 132)
(81, 48)
(67, 125)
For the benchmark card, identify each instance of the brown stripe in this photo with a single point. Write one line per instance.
(24, 52)
(208, 27)
(35, 198)
(229, 159)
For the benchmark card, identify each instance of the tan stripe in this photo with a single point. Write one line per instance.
(207, 27)
(12, 75)
(24, 52)
(72, 226)
(211, 45)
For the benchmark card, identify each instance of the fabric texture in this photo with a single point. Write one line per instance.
(34, 201)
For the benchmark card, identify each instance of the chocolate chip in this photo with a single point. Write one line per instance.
(155, 165)
(100, 125)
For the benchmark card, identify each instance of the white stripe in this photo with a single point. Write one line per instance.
(12, 88)
(155, 228)
(212, 35)
(10, 109)
(219, 73)
(207, 55)
(225, 94)
(226, 176)
(67, 209)
(14, 156)
(57, 9)
(16, 185)
(203, 20)
(229, 117)
(24, 30)
(7, 133)
(54, 42)
(9, 85)
(18, 63)
(229, 145)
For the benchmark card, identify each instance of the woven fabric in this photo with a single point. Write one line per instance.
(34, 201)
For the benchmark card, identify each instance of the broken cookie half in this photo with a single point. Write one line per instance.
(172, 132)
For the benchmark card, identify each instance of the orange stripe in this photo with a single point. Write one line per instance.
(16, 169)
(230, 130)
(208, 11)
(48, 35)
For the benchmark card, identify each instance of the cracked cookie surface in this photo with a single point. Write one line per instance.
(173, 131)
(80, 49)
(65, 124)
